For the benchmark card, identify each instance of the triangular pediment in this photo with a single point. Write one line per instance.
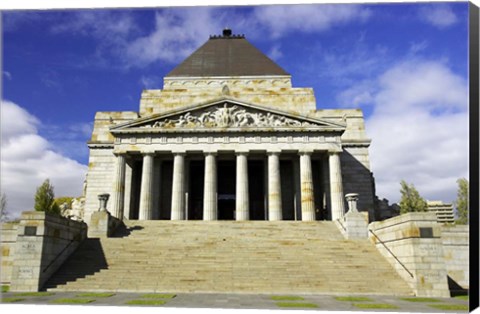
(226, 114)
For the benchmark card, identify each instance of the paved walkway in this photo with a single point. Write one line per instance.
(244, 301)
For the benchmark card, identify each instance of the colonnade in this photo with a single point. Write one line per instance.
(210, 211)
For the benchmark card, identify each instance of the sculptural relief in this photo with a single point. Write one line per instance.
(228, 116)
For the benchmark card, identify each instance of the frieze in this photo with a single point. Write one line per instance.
(228, 116)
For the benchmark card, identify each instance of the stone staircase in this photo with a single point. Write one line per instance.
(228, 256)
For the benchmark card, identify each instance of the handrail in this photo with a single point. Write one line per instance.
(411, 275)
(58, 255)
(341, 225)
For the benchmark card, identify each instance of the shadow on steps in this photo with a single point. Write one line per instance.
(88, 259)
(123, 231)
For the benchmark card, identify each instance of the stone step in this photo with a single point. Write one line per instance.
(263, 257)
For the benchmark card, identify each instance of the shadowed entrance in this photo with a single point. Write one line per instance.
(226, 189)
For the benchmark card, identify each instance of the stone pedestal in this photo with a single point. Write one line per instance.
(102, 224)
(356, 225)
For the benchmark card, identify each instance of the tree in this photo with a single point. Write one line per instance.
(3, 208)
(411, 200)
(462, 201)
(45, 198)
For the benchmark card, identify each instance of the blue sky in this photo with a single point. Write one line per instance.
(405, 65)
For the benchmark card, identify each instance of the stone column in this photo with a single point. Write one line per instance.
(306, 183)
(210, 188)
(119, 188)
(336, 187)
(178, 187)
(242, 203)
(146, 188)
(274, 187)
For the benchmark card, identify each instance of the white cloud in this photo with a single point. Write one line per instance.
(27, 159)
(177, 33)
(7, 75)
(151, 81)
(439, 15)
(419, 130)
(275, 53)
(416, 47)
(282, 19)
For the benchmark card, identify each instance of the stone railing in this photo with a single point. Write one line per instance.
(412, 244)
(43, 242)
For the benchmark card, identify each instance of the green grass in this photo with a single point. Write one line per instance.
(5, 289)
(11, 300)
(420, 299)
(146, 302)
(374, 306)
(353, 299)
(34, 294)
(95, 295)
(72, 301)
(159, 296)
(450, 307)
(294, 304)
(287, 298)
(462, 297)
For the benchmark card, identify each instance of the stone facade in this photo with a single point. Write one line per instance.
(298, 160)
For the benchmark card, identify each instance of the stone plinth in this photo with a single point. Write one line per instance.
(44, 242)
(102, 224)
(356, 225)
(415, 240)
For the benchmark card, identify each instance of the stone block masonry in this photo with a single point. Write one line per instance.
(8, 239)
(43, 243)
(415, 241)
(456, 252)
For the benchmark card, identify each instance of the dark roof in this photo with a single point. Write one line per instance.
(227, 55)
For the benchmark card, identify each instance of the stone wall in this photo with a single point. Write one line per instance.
(415, 240)
(8, 240)
(101, 169)
(269, 92)
(455, 241)
(43, 243)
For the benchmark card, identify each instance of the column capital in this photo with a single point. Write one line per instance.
(179, 153)
(273, 152)
(119, 153)
(242, 152)
(207, 153)
(148, 153)
(305, 152)
(335, 150)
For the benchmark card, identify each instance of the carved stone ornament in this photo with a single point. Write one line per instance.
(228, 116)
